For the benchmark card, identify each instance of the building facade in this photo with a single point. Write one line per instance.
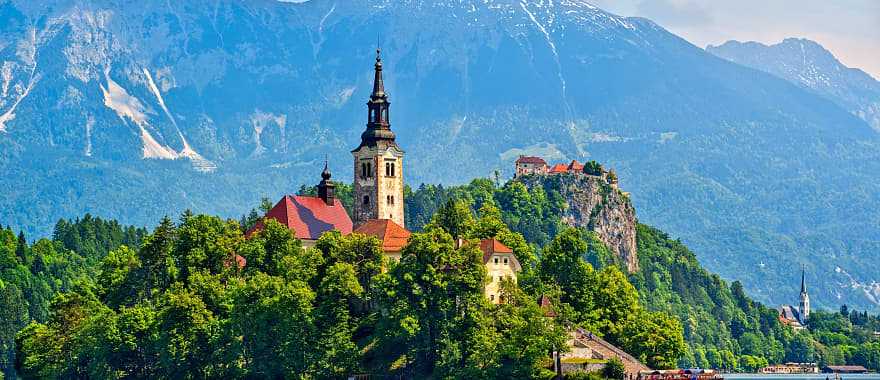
(500, 264)
(378, 162)
(526, 165)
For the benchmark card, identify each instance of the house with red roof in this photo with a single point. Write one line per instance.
(310, 216)
(501, 264)
(530, 165)
(392, 235)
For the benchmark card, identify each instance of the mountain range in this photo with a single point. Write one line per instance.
(135, 110)
(810, 66)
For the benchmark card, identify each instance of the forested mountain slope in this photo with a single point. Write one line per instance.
(137, 111)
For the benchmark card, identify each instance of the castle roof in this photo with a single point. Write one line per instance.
(393, 236)
(531, 160)
(559, 168)
(308, 217)
(575, 166)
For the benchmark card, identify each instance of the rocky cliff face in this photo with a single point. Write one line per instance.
(594, 204)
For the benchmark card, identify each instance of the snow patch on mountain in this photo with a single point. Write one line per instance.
(9, 115)
(26, 52)
(260, 121)
(871, 289)
(125, 105)
(199, 163)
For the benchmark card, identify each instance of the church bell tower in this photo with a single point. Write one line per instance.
(805, 298)
(378, 161)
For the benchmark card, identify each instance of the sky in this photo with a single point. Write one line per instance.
(850, 29)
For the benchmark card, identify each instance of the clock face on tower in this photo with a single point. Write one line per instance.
(378, 161)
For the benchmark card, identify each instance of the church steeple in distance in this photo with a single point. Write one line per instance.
(803, 280)
(805, 298)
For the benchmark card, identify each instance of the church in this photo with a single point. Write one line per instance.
(378, 204)
(797, 317)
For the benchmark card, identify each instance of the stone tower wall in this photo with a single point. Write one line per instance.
(378, 187)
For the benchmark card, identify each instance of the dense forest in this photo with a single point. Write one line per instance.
(195, 299)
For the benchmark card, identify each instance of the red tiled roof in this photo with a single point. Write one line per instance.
(531, 160)
(559, 168)
(575, 166)
(308, 217)
(393, 236)
(493, 246)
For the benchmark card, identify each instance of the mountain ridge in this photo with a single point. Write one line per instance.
(814, 68)
(741, 164)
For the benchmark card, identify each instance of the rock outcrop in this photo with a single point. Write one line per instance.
(594, 204)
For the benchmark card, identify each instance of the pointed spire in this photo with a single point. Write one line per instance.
(378, 126)
(378, 82)
(803, 279)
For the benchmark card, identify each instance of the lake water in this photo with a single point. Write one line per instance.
(820, 376)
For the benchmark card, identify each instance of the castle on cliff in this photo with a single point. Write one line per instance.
(533, 165)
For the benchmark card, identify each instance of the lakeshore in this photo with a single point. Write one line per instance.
(813, 376)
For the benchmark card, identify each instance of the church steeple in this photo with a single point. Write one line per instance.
(326, 187)
(378, 124)
(805, 298)
(378, 161)
(803, 281)
(378, 83)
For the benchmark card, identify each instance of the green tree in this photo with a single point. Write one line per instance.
(656, 338)
(456, 218)
(338, 354)
(614, 369)
(436, 307)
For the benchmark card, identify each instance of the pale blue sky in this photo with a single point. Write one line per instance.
(848, 28)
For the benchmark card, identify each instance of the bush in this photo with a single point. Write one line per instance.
(582, 375)
(614, 369)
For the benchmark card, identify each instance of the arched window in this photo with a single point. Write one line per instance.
(366, 200)
(390, 169)
(366, 170)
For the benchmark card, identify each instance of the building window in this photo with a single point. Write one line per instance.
(366, 170)
(496, 260)
(366, 200)
(389, 169)
(492, 297)
(390, 200)
(505, 261)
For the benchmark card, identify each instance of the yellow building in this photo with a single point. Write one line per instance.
(500, 263)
